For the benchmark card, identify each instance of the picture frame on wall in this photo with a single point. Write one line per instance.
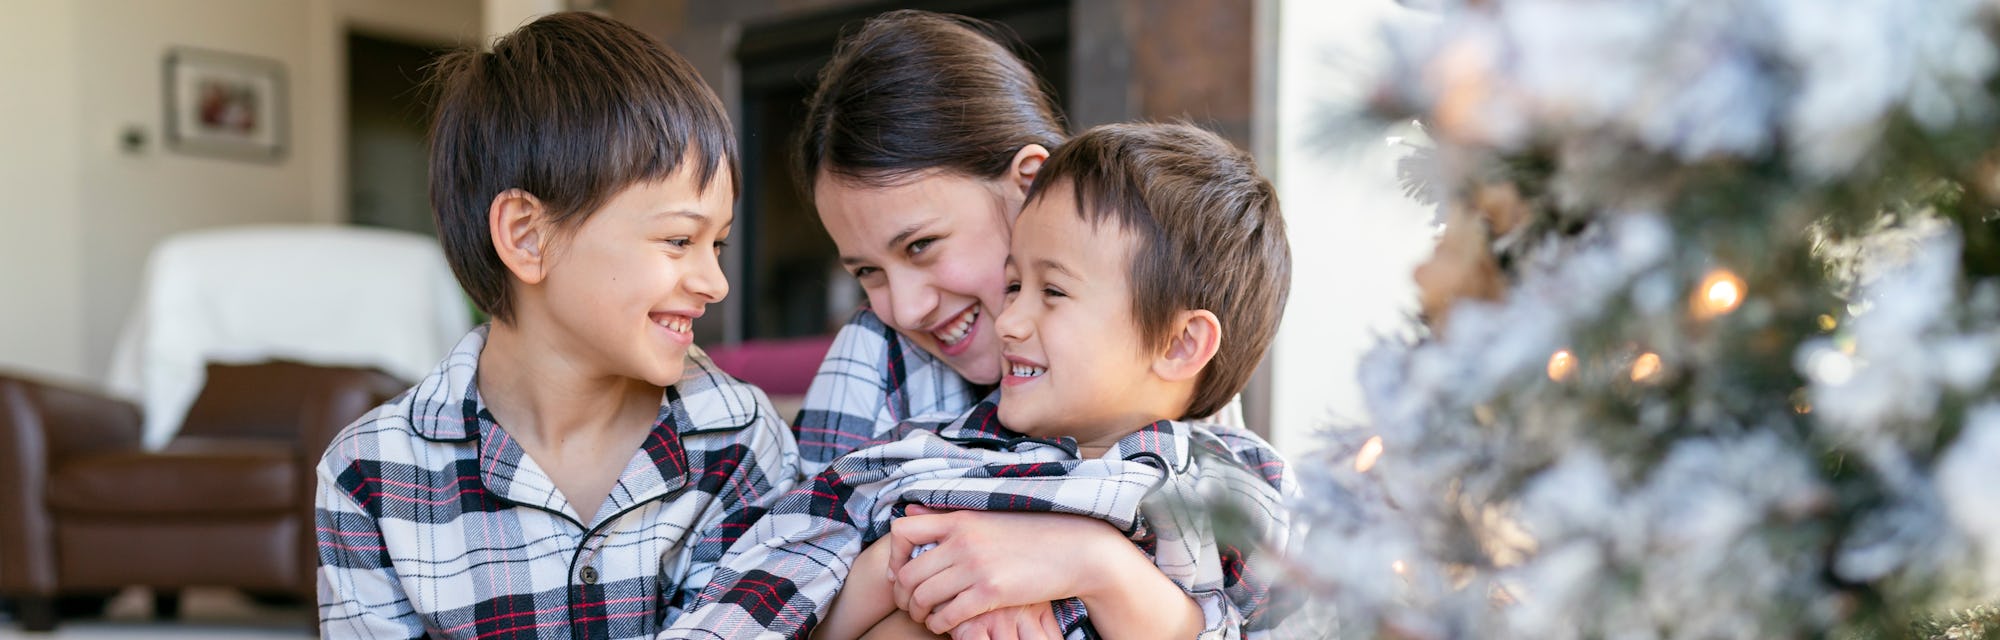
(225, 104)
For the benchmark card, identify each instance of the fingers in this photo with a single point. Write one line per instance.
(915, 572)
(1003, 626)
(929, 594)
(900, 548)
(909, 532)
(1027, 625)
(982, 628)
(970, 632)
(899, 593)
(968, 602)
(1047, 617)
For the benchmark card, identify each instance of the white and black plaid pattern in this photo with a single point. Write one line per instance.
(433, 522)
(872, 380)
(780, 578)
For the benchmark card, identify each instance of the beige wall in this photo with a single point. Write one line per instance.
(41, 277)
(504, 16)
(82, 213)
(130, 200)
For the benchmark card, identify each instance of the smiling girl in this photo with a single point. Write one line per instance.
(920, 145)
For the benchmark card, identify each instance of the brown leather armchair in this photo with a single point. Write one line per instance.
(85, 509)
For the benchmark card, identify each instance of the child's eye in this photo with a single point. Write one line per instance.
(719, 245)
(920, 245)
(679, 243)
(1013, 287)
(1053, 292)
(862, 273)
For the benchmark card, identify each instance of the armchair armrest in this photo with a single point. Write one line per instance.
(39, 425)
(334, 398)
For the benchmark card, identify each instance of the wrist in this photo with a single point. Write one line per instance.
(1111, 570)
(1107, 558)
(1128, 596)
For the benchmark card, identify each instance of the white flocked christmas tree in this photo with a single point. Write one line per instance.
(1711, 330)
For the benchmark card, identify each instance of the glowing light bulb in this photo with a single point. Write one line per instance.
(1561, 365)
(1400, 568)
(1647, 366)
(1371, 451)
(1720, 292)
(1827, 323)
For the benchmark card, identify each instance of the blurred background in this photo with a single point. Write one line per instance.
(105, 155)
(93, 188)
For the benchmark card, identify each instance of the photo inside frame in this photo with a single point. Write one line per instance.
(224, 104)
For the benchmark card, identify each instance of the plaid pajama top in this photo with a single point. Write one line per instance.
(781, 577)
(433, 521)
(873, 379)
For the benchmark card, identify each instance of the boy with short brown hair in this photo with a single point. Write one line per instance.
(576, 468)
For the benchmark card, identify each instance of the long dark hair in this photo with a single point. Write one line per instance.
(913, 91)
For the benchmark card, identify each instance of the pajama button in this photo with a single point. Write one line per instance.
(589, 575)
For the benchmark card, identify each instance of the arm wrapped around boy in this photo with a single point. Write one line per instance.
(1158, 485)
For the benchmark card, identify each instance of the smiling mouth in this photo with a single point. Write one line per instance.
(674, 323)
(1019, 370)
(957, 329)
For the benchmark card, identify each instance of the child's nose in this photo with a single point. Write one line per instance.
(1013, 322)
(707, 279)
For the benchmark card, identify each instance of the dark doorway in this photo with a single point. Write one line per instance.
(791, 279)
(387, 121)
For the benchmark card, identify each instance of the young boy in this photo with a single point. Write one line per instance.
(576, 468)
(1147, 276)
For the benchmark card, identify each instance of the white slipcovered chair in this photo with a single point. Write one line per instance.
(313, 294)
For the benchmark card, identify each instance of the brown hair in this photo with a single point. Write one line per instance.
(1207, 235)
(914, 90)
(572, 108)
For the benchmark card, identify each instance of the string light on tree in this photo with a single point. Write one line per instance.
(1371, 451)
(1645, 367)
(1721, 292)
(1561, 365)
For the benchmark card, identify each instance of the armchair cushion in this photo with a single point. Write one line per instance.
(192, 476)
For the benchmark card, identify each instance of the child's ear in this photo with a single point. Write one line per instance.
(1192, 339)
(1027, 162)
(516, 220)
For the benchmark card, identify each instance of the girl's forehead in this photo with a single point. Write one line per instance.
(872, 210)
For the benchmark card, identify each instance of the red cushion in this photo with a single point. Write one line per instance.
(779, 367)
